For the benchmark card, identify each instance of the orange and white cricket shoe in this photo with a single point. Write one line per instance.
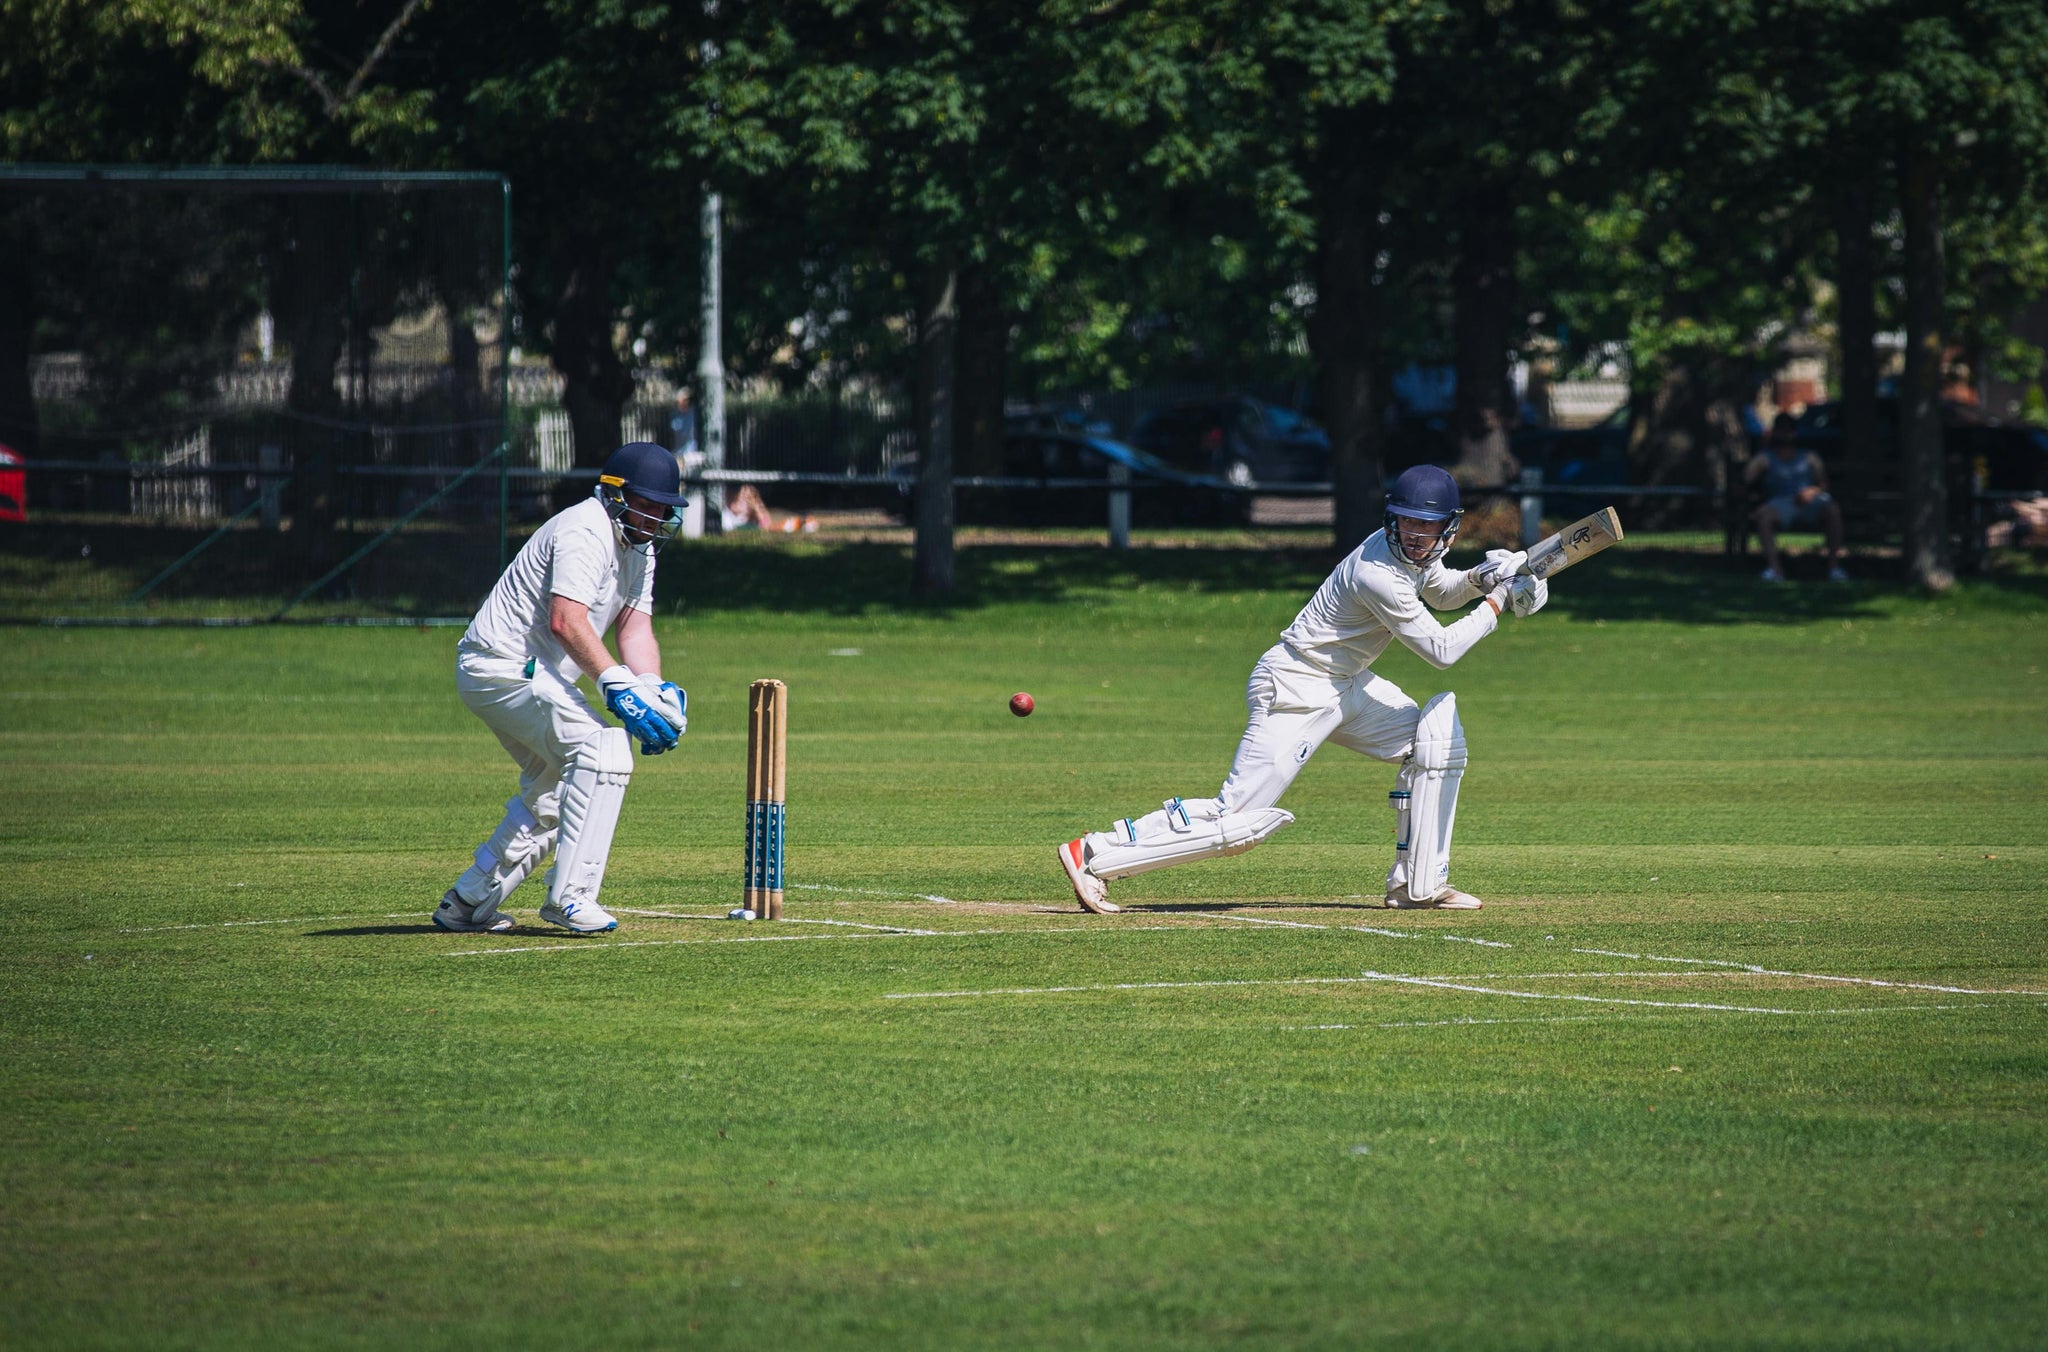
(1089, 890)
(1450, 899)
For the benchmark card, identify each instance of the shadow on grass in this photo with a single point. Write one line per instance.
(1646, 582)
(1225, 907)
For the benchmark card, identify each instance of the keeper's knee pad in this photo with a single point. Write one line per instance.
(592, 790)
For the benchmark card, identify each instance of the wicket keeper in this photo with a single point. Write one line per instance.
(589, 569)
(1317, 685)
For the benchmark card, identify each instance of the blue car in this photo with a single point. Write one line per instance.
(1163, 494)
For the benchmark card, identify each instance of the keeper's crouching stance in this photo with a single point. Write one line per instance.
(588, 568)
(1316, 685)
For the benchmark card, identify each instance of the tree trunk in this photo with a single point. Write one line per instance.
(1483, 282)
(1687, 433)
(1855, 285)
(1920, 441)
(937, 332)
(595, 383)
(1343, 332)
(310, 302)
(19, 428)
(983, 376)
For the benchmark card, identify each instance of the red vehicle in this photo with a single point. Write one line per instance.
(13, 486)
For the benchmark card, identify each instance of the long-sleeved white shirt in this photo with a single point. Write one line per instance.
(1373, 597)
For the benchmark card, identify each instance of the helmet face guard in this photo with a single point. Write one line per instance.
(1400, 535)
(639, 528)
(1424, 493)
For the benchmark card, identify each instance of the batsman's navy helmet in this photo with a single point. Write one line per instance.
(647, 469)
(1424, 493)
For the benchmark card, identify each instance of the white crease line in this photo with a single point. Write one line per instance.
(1368, 929)
(1133, 986)
(1755, 970)
(1455, 1023)
(1588, 999)
(785, 920)
(567, 945)
(1600, 1018)
(297, 920)
(1261, 920)
(870, 892)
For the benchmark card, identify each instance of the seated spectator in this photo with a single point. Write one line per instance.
(2028, 528)
(1796, 497)
(744, 509)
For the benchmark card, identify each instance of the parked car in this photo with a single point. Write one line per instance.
(1165, 495)
(1239, 440)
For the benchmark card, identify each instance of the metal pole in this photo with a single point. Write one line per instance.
(710, 361)
(1532, 506)
(504, 371)
(1119, 506)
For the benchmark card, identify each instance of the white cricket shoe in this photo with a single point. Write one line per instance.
(579, 917)
(1450, 899)
(459, 917)
(1089, 890)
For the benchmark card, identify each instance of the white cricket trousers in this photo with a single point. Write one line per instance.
(1292, 708)
(540, 720)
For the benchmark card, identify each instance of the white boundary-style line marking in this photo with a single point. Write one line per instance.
(1754, 970)
(570, 943)
(787, 920)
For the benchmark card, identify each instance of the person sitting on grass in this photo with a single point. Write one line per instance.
(1796, 497)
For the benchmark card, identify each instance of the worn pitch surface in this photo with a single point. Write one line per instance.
(1750, 1044)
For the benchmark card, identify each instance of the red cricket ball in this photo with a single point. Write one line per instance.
(1022, 704)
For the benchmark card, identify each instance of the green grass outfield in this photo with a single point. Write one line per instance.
(250, 1098)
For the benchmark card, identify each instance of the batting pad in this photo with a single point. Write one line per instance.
(1429, 780)
(504, 861)
(1211, 838)
(592, 791)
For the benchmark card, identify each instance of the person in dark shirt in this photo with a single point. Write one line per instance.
(1796, 497)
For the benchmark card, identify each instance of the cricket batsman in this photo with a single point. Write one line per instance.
(588, 570)
(1317, 685)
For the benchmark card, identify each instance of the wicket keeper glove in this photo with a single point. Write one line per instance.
(623, 697)
(670, 700)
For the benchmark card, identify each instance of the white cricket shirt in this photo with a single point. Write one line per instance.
(1374, 597)
(578, 555)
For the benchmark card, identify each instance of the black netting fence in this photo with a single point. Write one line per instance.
(218, 387)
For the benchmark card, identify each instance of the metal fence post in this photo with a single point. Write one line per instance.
(1119, 506)
(269, 459)
(1532, 505)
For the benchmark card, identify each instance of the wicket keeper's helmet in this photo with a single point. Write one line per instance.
(648, 471)
(1424, 493)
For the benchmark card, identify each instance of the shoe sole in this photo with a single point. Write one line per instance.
(439, 923)
(1394, 905)
(565, 925)
(1080, 894)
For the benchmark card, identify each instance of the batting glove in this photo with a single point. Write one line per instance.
(1500, 565)
(1528, 595)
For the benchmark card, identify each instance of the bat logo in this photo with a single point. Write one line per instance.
(1581, 535)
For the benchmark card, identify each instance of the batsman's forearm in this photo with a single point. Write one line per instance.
(569, 622)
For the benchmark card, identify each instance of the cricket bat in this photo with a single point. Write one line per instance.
(1580, 540)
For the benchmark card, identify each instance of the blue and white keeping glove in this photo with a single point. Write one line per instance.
(670, 700)
(624, 697)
